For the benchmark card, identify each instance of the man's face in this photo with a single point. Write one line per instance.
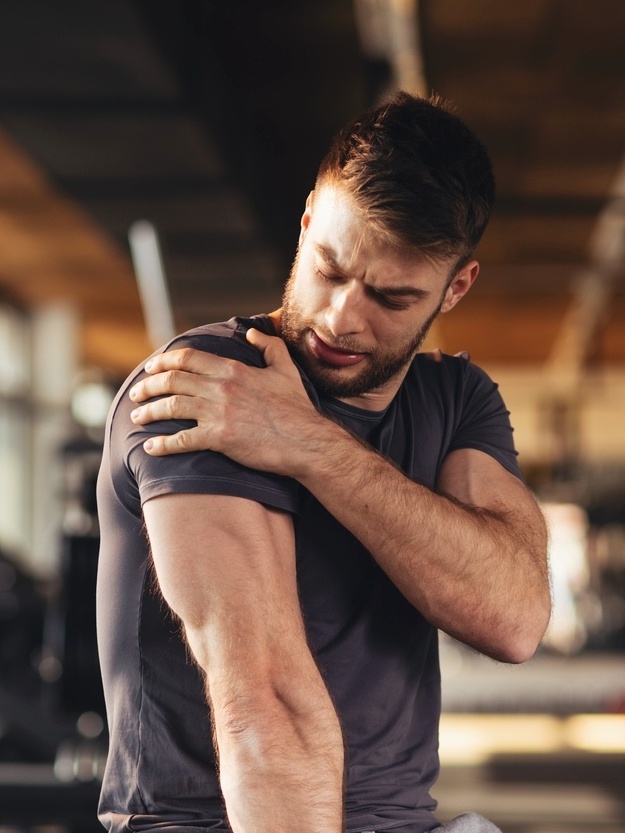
(356, 308)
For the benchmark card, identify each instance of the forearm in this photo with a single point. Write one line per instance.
(280, 757)
(471, 556)
(226, 567)
(478, 574)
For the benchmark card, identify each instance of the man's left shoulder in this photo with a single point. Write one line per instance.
(436, 365)
(449, 376)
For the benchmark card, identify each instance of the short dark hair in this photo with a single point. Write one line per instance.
(418, 174)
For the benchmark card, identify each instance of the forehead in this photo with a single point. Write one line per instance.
(342, 235)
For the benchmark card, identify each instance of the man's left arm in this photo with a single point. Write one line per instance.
(471, 556)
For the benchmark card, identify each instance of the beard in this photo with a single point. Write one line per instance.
(380, 366)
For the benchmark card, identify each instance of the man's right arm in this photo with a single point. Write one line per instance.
(226, 567)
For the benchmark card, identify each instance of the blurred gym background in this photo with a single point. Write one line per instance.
(163, 149)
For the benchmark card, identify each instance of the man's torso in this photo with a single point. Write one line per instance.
(378, 655)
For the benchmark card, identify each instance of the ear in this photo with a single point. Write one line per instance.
(306, 216)
(460, 285)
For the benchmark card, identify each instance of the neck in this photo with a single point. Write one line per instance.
(276, 320)
(380, 398)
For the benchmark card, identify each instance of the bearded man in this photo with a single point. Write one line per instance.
(283, 536)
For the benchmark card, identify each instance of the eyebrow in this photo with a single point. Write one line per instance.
(398, 291)
(328, 256)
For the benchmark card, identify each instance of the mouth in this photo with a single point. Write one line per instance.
(334, 356)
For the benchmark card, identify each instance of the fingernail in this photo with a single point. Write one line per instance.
(148, 365)
(132, 393)
(148, 445)
(134, 414)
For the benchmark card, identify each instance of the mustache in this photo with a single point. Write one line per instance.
(346, 343)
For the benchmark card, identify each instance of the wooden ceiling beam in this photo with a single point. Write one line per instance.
(50, 251)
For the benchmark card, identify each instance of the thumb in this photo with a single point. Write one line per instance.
(272, 347)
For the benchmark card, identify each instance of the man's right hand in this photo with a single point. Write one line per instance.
(260, 417)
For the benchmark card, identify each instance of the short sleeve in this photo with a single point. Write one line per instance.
(483, 421)
(202, 472)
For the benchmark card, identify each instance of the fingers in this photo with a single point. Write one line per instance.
(273, 348)
(172, 407)
(182, 371)
(164, 382)
(185, 371)
(259, 339)
(177, 371)
(180, 443)
(188, 359)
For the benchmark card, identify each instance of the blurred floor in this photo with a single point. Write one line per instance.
(550, 794)
(534, 747)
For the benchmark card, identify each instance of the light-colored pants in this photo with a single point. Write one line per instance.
(468, 823)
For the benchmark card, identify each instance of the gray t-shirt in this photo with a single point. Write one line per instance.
(378, 655)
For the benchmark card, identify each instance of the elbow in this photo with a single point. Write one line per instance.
(259, 711)
(522, 637)
(526, 619)
(265, 732)
(517, 651)
(245, 725)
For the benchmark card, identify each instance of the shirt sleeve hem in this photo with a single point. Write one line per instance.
(219, 486)
(503, 459)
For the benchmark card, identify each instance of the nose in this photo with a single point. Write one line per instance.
(344, 315)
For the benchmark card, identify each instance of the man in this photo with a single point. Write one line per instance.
(339, 499)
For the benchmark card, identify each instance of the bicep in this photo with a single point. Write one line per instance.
(226, 567)
(476, 479)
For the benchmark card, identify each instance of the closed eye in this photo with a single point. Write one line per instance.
(396, 299)
(324, 276)
(387, 301)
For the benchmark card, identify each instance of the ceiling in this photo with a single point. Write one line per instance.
(208, 118)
